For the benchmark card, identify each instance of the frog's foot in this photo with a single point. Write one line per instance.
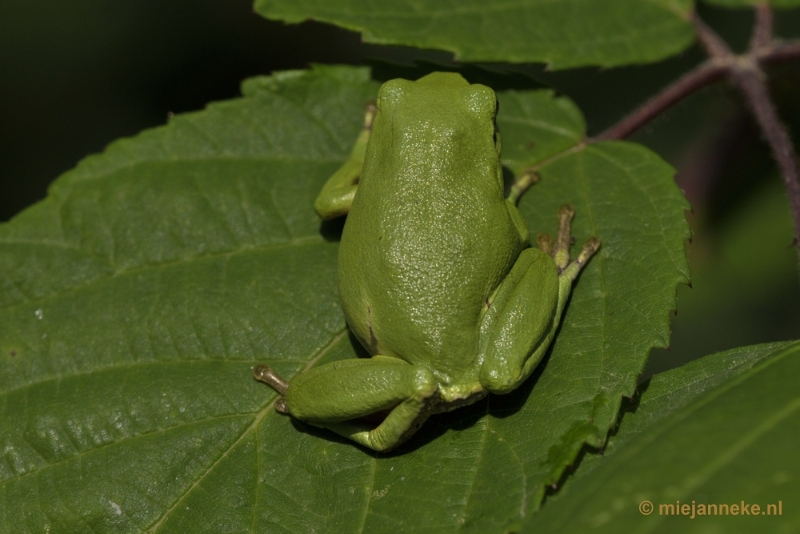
(339, 191)
(560, 251)
(264, 373)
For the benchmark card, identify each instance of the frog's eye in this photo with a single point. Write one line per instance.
(392, 92)
(481, 101)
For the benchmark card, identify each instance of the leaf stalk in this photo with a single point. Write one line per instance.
(746, 73)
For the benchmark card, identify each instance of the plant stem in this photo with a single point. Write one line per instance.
(703, 75)
(746, 73)
(752, 85)
(762, 31)
(715, 47)
(779, 52)
(687, 84)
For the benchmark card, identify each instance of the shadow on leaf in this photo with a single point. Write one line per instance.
(331, 231)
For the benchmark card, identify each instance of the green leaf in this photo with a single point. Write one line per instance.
(667, 392)
(720, 430)
(750, 3)
(567, 33)
(136, 298)
(623, 194)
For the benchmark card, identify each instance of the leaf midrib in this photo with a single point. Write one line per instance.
(476, 9)
(133, 365)
(81, 454)
(252, 427)
(80, 175)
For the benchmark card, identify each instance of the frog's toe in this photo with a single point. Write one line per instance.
(545, 243)
(280, 406)
(574, 268)
(264, 373)
(564, 237)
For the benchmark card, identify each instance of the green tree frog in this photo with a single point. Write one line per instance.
(437, 278)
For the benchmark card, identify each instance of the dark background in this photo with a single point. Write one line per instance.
(77, 75)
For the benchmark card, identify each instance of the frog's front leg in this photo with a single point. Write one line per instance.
(526, 310)
(338, 192)
(337, 394)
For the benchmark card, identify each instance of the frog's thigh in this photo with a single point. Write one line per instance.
(338, 192)
(334, 394)
(523, 318)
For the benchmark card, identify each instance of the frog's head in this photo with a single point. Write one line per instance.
(442, 109)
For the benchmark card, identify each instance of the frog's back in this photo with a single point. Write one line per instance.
(428, 237)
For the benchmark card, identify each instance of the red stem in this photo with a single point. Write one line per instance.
(746, 73)
(687, 84)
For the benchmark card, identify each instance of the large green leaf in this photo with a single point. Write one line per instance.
(567, 33)
(720, 430)
(665, 393)
(135, 299)
(751, 3)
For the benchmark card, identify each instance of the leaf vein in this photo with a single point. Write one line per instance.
(251, 428)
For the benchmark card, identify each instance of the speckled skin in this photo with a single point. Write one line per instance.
(429, 236)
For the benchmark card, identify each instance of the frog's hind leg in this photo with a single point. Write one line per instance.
(337, 395)
(338, 192)
(525, 313)
(520, 322)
